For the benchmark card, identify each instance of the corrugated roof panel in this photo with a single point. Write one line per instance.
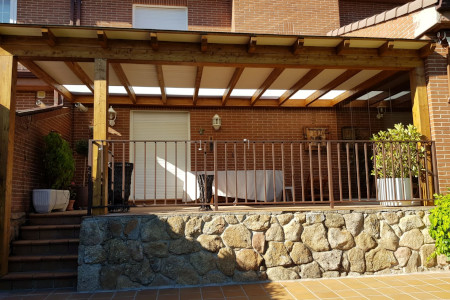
(141, 74)
(59, 71)
(179, 76)
(288, 78)
(252, 78)
(216, 77)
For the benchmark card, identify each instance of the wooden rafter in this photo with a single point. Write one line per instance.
(79, 72)
(48, 36)
(386, 94)
(102, 38)
(402, 100)
(233, 81)
(33, 67)
(362, 88)
(297, 47)
(154, 41)
(330, 86)
(386, 48)
(298, 85)
(266, 84)
(427, 50)
(204, 43)
(162, 85)
(198, 81)
(252, 45)
(342, 47)
(124, 81)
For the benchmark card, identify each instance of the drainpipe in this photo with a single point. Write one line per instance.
(78, 3)
(444, 40)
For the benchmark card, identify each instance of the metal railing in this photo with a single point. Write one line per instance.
(152, 173)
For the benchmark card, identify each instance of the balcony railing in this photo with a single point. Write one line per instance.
(161, 173)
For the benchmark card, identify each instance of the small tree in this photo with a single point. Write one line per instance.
(59, 165)
(397, 154)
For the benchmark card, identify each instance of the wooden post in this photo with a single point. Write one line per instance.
(100, 162)
(421, 119)
(8, 69)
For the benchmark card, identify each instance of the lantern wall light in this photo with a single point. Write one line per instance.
(112, 116)
(216, 122)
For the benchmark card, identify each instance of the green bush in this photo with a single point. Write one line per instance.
(401, 152)
(440, 225)
(59, 165)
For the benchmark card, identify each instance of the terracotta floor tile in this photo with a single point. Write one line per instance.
(237, 298)
(191, 297)
(208, 296)
(326, 295)
(348, 293)
(147, 292)
(168, 297)
(56, 297)
(169, 292)
(430, 288)
(409, 289)
(401, 296)
(80, 296)
(209, 289)
(125, 294)
(102, 295)
(234, 291)
(379, 298)
(145, 297)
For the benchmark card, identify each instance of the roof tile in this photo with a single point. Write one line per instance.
(391, 14)
(370, 21)
(415, 5)
(402, 10)
(380, 17)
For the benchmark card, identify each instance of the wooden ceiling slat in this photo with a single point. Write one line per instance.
(266, 84)
(33, 67)
(233, 81)
(198, 81)
(124, 81)
(79, 72)
(363, 88)
(330, 86)
(299, 85)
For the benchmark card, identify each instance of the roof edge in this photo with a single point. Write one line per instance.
(388, 15)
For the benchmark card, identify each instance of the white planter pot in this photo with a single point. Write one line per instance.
(46, 200)
(390, 190)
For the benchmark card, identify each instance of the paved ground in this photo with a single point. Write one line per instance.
(430, 285)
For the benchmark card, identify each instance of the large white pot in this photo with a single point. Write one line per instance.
(46, 200)
(390, 190)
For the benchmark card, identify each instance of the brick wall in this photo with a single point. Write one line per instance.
(439, 107)
(43, 12)
(351, 10)
(402, 27)
(286, 17)
(27, 169)
(27, 100)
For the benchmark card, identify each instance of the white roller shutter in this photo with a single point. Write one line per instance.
(167, 168)
(150, 17)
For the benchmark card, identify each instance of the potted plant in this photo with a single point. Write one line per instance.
(73, 196)
(59, 169)
(397, 156)
(82, 149)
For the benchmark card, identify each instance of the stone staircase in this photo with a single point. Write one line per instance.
(46, 256)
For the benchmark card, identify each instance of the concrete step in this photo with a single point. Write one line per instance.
(49, 232)
(39, 263)
(38, 280)
(45, 247)
(57, 218)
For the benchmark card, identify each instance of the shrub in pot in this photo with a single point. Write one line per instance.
(59, 168)
(397, 156)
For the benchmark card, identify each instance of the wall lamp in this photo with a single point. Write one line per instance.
(112, 116)
(216, 122)
(381, 108)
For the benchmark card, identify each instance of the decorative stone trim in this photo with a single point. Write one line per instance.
(136, 251)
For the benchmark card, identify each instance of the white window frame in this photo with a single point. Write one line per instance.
(159, 6)
(13, 11)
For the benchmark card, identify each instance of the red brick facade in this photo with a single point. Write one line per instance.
(28, 144)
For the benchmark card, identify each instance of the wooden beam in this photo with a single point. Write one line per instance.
(198, 81)
(252, 45)
(204, 43)
(102, 39)
(266, 84)
(342, 47)
(162, 85)
(33, 67)
(99, 165)
(154, 41)
(386, 48)
(8, 69)
(297, 47)
(362, 88)
(124, 81)
(330, 86)
(79, 72)
(299, 85)
(49, 37)
(233, 81)
(189, 54)
(427, 50)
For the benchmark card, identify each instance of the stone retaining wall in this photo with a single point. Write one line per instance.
(134, 251)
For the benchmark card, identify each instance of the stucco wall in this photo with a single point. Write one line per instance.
(135, 251)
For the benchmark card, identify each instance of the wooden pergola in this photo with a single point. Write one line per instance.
(60, 56)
